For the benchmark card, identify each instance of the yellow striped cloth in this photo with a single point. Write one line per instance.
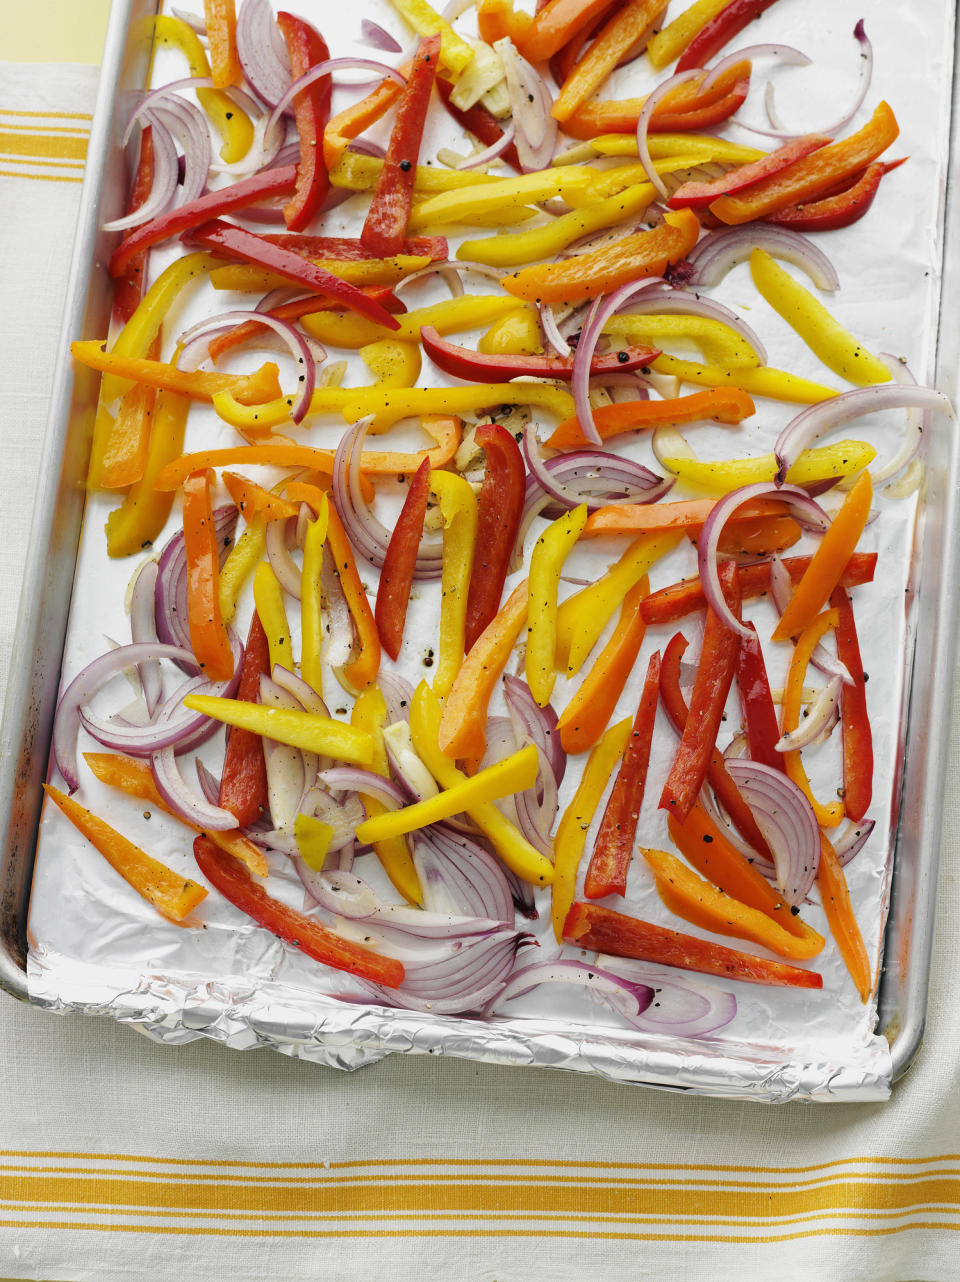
(122, 1159)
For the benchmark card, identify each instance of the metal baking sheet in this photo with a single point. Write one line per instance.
(229, 985)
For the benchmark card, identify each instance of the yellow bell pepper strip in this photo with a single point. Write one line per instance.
(400, 563)
(307, 730)
(683, 514)
(307, 48)
(546, 242)
(123, 457)
(571, 837)
(585, 717)
(505, 778)
(500, 193)
(361, 173)
(391, 362)
(835, 896)
(706, 148)
(584, 615)
(517, 334)
(312, 836)
(703, 905)
(618, 178)
(722, 404)
(388, 405)
(455, 54)
(826, 338)
(469, 311)
(173, 896)
(370, 714)
(458, 509)
(143, 513)
(231, 122)
(843, 458)
(829, 814)
(357, 118)
(363, 668)
(812, 176)
(462, 728)
(268, 597)
(684, 108)
(135, 778)
(311, 623)
(208, 634)
(630, 24)
(828, 562)
(367, 276)
(704, 846)
(598, 271)
(249, 389)
(719, 344)
(221, 19)
(254, 501)
(509, 843)
(549, 553)
(761, 380)
(241, 562)
(668, 44)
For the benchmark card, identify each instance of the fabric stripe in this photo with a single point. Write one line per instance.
(50, 178)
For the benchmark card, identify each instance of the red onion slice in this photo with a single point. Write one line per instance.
(397, 692)
(324, 69)
(785, 817)
(916, 423)
(458, 875)
(493, 152)
(539, 724)
(355, 779)
(643, 122)
(143, 629)
(819, 718)
(785, 53)
(304, 693)
(852, 840)
(181, 798)
(604, 468)
(378, 38)
(681, 1007)
(780, 130)
(531, 104)
(262, 51)
(627, 998)
(551, 330)
(719, 251)
(162, 189)
(465, 976)
(285, 568)
(750, 853)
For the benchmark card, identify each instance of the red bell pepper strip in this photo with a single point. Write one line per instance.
(840, 209)
(248, 330)
(477, 367)
(600, 929)
(243, 782)
(499, 508)
(697, 195)
(311, 109)
(857, 735)
(385, 226)
(715, 670)
(481, 123)
(607, 872)
(128, 290)
(400, 562)
(721, 781)
(233, 881)
(235, 242)
(756, 703)
(349, 249)
(261, 187)
(208, 635)
(666, 605)
(728, 23)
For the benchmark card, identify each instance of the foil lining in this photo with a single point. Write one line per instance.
(95, 949)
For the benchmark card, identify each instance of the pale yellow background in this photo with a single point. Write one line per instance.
(52, 30)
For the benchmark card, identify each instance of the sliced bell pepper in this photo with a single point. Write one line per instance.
(497, 19)
(759, 380)
(400, 563)
(307, 730)
(756, 703)
(630, 24)
(364, 666)
(128, 289)
(458, 508)
(509, 843)
(232, 123)
(598, 271)
(563, 62)
(683, 109)
(841, 209)
(683, 514)
(242, 559)
(392, 362)
(359, 116)
(668, 604)
(827, 564)
(761, 536)
(311, 621)
(717, 341)
(516, 334)
(141, 516)
(124, 453)
(463, 362)
(368, 275)
(557, 22)
(385, 226)
(243, 780)
(253, 501)
(350, 249)
(499, 508)
(667, 45)
(174, 896)
(546, 562)
(208, 634)
(720, 30)
(469, 311)
(268, 598)
(478, 121)
(832, 884)
(263, 385)
(697, 195)
(389, 405)
(462, 730)
(469, 204)
(600, 929)
(355, 172)
(813, 175)
(613, 849)
(723, 405)
(830, 814)
(311, 110)
(221, 20)
(585, 717)
(571, 837)
(455, 54)
(370, 714)
(843, 458)
(857, 735)
(236, 885)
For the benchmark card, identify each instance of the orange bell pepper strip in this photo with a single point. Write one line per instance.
(143, 513)
(645, 253)
(254, 501)
(135, 778)
(683, 514)
(704, 846)
(600, 929)
(248, 389)
(127, 446)
(703, 905)
(173, 896)
(556, 23)
(359, 116)
(828, 562)
(463, 723)
(829, 815)
(221, 17)
(835, 896)
(757, 536)
(857, 735)
(498, 20)
(208, 635)
(722, 404)
(680, 111)
(363, 668)
(626, 28)
(813, 175)
(585, 717)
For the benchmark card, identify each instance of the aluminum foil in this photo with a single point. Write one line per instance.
(96, 948)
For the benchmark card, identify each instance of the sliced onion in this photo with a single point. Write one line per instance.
(342, 816)
(163, 188)
(375, 36)
(351, 898)
(181, 798)
(450, 274)
(285, 568)
(915, 424)
(606, 469)
(719, 251)
(143, 629)
(531, 104)
(338, 644)
(750, 853)
(551, 330)
(820, 718)
(643, 122)
(680, 1007)
(458, 875)
(785, 53)
(460, 976)
(779, 130)
(307, 698)
(412, 775)
(785, 817)
(852, 841)
(493, 152)
(397, 692)
(189, 127)
(355, 779)
(627, 998)
(539, 724)
(263, 51)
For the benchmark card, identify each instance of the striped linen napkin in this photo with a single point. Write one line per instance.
(122, 1159)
